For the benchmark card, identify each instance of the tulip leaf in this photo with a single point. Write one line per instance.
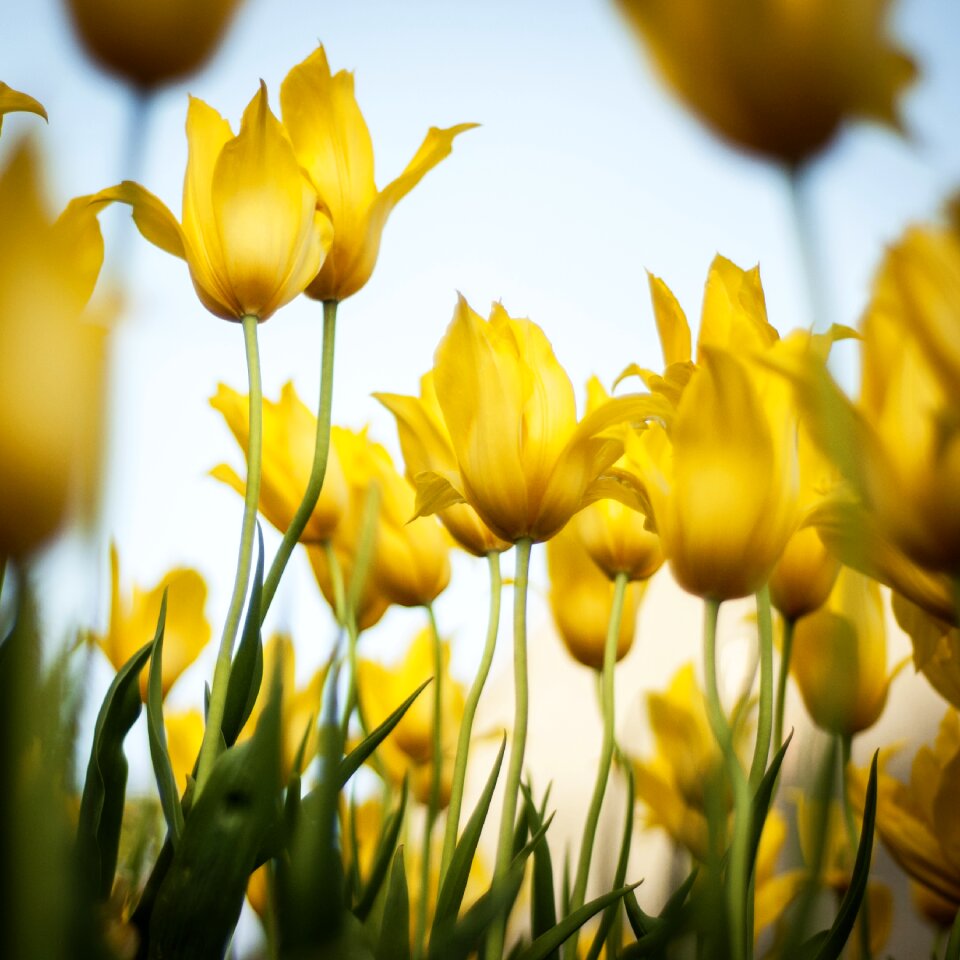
(829, 944)
(394, 943)
(162, 767)
(383, 857)
(246, 671)
(201, 895)
(764, 797)
(104, 789)
(543, 907)
(654, 933)
(953, 944)
(455, 882)
(356, 758)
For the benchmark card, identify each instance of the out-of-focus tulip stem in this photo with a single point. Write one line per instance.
(736, 878)
(3, 572)
(606, 754)
(433, 804)
(221, 675)
(786, 649)
(336, 581)
(469, 712)
(863, 920)
(765, 706)
(318, 469)
(494, 948)
(798, 184)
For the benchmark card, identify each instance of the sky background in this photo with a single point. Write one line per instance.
(584, 174)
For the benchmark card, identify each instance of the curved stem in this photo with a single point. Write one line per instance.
(736, 877)
(786, 651)
(318, 470)
(433, 803)
(519, 740)
(863, 920)
(765, 706)
(606, 753)
(210, 746)
(469, 712)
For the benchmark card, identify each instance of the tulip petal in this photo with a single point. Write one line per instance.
(151, 215)
(13, 101)
(671, 321)
(734, 310)
(434, 493)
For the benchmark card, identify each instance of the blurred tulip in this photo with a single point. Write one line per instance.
(936, 647)
(840, 657)
(775, 76)
(251, 234)
(134, 623)
(289, 436)
(581, 598)
(13, 101)
(333, 145)
(524, 462)
(152, 42)
(409, 747)
(184, 731)
(52, 359)
(427, 447)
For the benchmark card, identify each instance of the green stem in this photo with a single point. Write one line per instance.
(786, 651)
(863, 920)
(606, 755)
(433, 804)
(318, 470)
(765, 706)
(210, 746)
(469, 712)
(518, 743)
(807, 245)
(737, 875)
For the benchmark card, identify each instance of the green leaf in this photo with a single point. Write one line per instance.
(350, 764)
(455, 882)
(201, 895)
(654, 933)
(543, 907)
(104, 789)
(162, 768)
(246, 671)
(382, 858)
(953, 944)
(763, 798)
(394, 941)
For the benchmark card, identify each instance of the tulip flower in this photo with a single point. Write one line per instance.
(52, 359)
(289, 432)
(774, 76)
(840, 657)
(427, 448)
(13, 101)
(581, 598)
(152, 42)
(936, 647)
(184, 731)
(133, 622)
(524, 462)
(252, 235)
(333, 145)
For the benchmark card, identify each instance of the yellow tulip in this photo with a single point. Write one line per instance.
(299, 706)
(805, 573)
(581, 597)
(151, 42)
(371, 605)
(289, 436)
(917, 820)
(614, 535)
(52, 359)
(134, 623)
(251, 234)
(409, 747)
(773, 891)
(936, 647)
(776, 76)
(427, 448)
(333, 145)
(524, 462)
(13, 101)
(840, 657)
(184, 731)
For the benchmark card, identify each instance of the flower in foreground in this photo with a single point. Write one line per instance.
(775, 76)
(333, 145)
(251, 234)
(151, 42)
(523, 460)
(289, 437)
(133, 622)
(52, 358)
(13, 101)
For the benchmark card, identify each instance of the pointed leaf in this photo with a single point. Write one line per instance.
(543, 906)
(395, 928)
(382, 858)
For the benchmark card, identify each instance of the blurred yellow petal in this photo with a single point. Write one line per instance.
(184, 731)
(13, 101)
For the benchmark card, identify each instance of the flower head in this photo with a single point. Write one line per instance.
(333, 145)
(251, 234)
(776, 76)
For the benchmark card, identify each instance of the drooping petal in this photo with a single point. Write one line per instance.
(13, 101)
(152, 216)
